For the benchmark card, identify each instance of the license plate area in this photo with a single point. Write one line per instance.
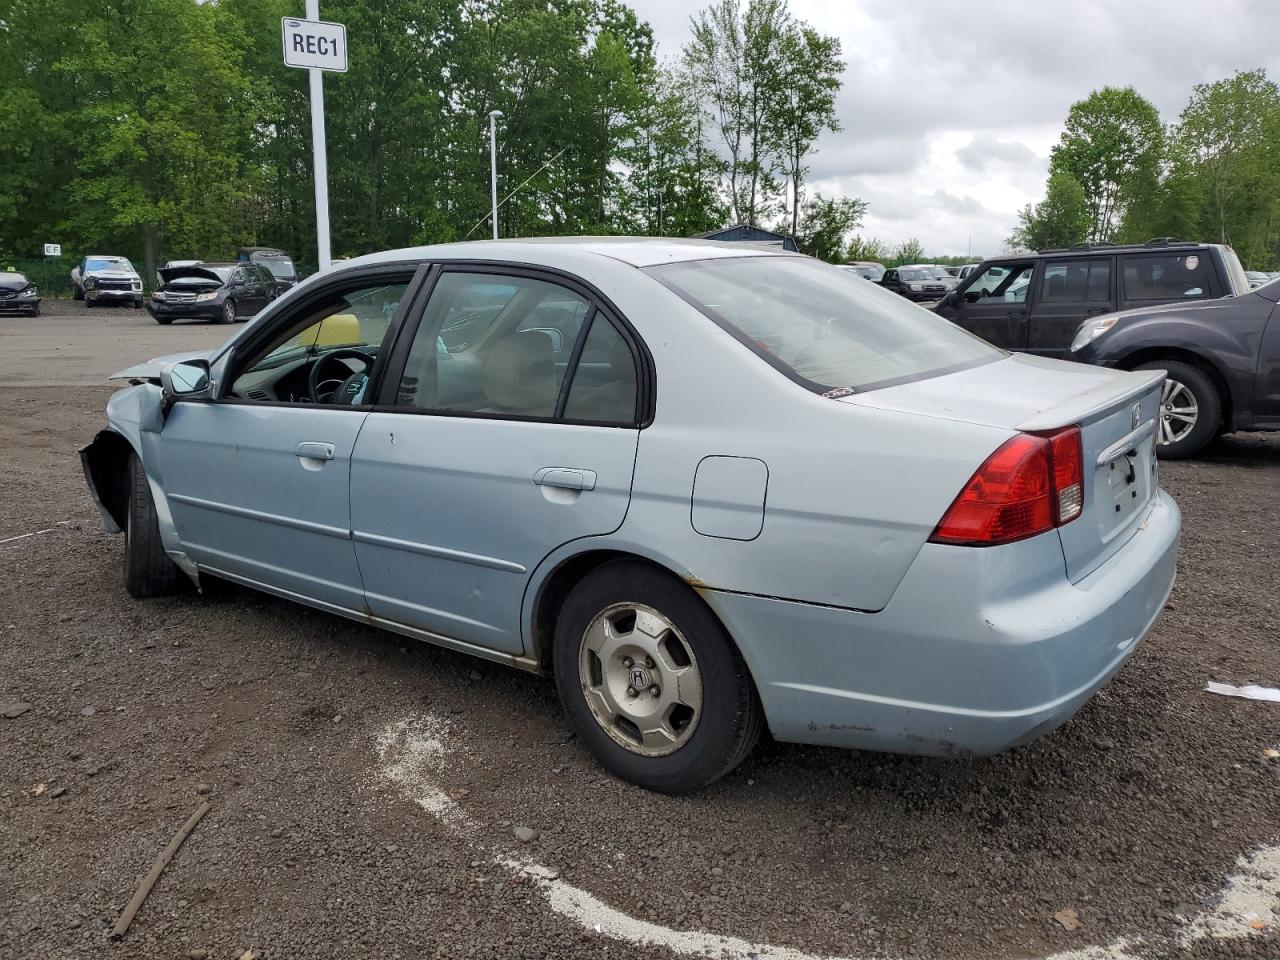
(1125, 487)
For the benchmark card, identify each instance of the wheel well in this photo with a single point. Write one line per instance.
(1156, 354)
(107, 460)
(555, 590)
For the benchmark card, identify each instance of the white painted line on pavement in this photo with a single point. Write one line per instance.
(415, 751)
(34, 533)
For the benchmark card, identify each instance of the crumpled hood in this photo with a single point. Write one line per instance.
(150, 370)
(14, 284)
(1019, 392)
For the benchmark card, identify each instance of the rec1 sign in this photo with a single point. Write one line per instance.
(315, 44)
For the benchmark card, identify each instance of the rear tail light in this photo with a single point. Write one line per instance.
(1031, 484)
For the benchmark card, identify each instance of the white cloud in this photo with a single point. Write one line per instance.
(950, 111)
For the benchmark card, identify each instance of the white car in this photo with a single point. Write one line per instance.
(102, 279)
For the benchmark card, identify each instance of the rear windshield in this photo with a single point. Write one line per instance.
(281, 267)
(809, 321)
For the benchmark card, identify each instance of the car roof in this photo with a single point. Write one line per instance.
(212, 263)
(1096, 249)
(634, 251)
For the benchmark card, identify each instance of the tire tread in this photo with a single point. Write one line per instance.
(148, 571)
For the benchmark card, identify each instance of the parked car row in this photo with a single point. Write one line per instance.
(195, 289)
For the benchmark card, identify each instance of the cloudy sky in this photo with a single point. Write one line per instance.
(949, 110)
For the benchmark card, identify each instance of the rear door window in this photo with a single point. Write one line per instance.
(1076, 281)
(1166, 276)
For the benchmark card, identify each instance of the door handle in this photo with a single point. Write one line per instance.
(314, 450)
(566, 478)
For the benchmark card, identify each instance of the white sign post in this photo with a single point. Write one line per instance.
(315, 46)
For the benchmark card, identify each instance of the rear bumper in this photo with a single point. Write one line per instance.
(979, 649)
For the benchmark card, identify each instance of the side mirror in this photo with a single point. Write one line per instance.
(186, 380)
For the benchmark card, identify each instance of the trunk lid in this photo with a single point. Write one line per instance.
(1115, 410)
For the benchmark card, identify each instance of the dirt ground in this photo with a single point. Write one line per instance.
(366, 791)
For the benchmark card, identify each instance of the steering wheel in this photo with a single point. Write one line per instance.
(343, 389)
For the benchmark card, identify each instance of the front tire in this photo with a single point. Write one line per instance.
(1190, 409)
(148, 571)
(164, 321)
(228, 312)
(651, 682)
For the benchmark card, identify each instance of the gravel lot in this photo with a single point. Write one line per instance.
(366, 792)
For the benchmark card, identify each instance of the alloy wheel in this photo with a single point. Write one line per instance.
(640, 679)
(1179, 412)
(228, 312)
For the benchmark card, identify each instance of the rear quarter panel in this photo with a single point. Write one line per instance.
(852, 493)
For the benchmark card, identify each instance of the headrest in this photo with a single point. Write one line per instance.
(520, 374)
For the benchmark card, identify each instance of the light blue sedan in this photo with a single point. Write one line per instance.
(708, 489)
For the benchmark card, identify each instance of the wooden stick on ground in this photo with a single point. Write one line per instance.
(149, 881)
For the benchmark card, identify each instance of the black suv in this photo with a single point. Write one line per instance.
(1036, 303)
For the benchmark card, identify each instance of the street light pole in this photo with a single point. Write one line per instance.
(493, 166)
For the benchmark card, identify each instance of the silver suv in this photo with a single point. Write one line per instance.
(97, 279)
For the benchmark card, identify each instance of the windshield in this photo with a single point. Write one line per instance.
(108, 263)
(807, 320)
(281, 267)
(912, 275)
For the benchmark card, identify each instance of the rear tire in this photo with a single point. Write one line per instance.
(693, 659)
(77, 293)
(1188, 388)
(148, 571)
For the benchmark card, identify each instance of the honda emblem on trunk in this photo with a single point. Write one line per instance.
(1137, 415)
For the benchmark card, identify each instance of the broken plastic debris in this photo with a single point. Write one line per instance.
(1250, 692)
(1068, 919)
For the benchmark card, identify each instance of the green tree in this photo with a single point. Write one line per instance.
(909, 251)
(1061, 219)
(734, 54)
(1229, 134)
(803, 103)
(867, 248)
(1112, 147)
(825, 225)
